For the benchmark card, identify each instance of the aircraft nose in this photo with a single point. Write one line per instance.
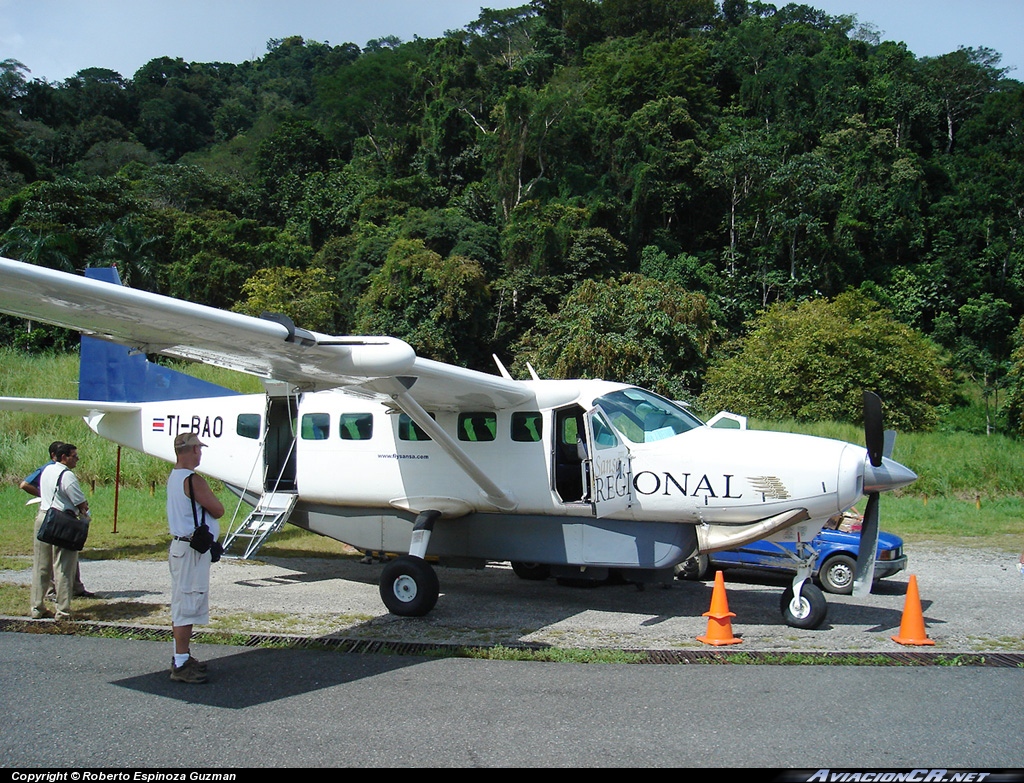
(889, 475)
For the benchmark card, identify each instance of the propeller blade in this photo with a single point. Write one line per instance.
(874, 435)
(864, 575)
(890, 444)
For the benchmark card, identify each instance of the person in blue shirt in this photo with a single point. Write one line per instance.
(30, 484)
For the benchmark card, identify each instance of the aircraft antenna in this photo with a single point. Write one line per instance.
(501, 367)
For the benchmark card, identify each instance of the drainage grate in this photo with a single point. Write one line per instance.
(382, 647)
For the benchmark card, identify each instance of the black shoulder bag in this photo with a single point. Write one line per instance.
(202, 537)
(62, 528)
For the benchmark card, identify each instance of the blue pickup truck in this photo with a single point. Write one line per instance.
(837, 546)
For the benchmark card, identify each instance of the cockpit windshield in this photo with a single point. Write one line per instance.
(643, 417)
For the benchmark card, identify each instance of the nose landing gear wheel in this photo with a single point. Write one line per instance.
(409, 586)
(809, 612)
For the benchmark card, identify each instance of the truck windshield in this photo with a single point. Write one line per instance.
(644, 417)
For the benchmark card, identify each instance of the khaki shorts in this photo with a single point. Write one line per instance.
(190, 585)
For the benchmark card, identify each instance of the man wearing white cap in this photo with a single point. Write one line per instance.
(190, 502)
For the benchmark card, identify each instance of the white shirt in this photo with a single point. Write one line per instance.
(68, 496)
(179, 507)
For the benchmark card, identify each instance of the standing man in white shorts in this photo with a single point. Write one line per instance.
(189, 498)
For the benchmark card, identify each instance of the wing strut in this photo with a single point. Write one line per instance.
(398, 389)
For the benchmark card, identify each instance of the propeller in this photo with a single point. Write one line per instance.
(875, 439)
(874, 435)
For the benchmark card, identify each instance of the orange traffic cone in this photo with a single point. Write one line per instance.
(719, 625)
(912, 626)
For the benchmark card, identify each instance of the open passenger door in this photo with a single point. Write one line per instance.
(607, 467)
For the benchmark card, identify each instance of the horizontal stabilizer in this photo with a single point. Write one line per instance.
(65, 407)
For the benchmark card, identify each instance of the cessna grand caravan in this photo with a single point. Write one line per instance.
(359, 439)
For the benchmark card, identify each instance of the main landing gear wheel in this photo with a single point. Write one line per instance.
(532, 571)
(837, 574)
(409, 586)
(694, 569)
(809, 612)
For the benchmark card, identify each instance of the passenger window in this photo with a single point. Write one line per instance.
(527, 426)
(316, 426)
(355, 426)
(247, 425)
(410, 430)
(477, 426)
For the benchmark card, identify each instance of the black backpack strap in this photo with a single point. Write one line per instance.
(192, 500)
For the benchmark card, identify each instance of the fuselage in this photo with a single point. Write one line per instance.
(364, 458)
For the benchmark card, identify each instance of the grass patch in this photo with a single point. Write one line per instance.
(948, 464)
(844, 659)
(15, 599)
(990, 522)
(501, 653)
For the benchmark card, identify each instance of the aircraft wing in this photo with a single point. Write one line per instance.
(269, 349)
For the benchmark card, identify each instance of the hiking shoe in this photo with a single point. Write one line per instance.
(197, 663)
(187, 672)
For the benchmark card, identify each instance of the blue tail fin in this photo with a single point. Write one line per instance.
(109, 372)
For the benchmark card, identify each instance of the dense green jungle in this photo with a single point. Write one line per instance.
(755, 207)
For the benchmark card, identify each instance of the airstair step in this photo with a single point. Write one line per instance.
(270, 514)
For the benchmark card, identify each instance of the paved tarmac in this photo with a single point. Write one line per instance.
(972, 601)
(72, 702)
(77, 701)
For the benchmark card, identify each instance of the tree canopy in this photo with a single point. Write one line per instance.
(811, 361)
(492, 189)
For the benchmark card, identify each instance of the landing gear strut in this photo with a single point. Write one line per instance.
(803, 604)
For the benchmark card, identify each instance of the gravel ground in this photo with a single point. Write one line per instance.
(971, 600)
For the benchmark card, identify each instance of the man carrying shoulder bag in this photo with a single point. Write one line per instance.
(189, 500)
(59, 488)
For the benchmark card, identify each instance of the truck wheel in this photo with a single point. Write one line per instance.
(836, 575)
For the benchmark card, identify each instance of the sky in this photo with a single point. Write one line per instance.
(55, 39)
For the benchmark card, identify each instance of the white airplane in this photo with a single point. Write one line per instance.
(359, 439)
